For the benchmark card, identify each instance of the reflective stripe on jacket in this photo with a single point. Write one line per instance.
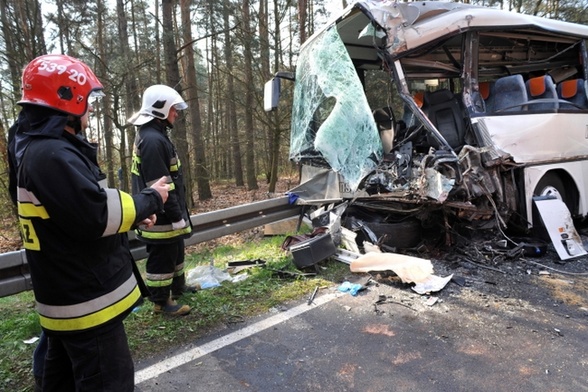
(74, 231)
(89, 314)
(155, 156)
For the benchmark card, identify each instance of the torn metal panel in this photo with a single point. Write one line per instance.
(437, 186)
(560, 227)
(317, 184)
(411, 25)
(476, 180)
(540, 137)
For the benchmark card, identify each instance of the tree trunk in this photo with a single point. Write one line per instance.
(230, 100)
(202, 176)
(158, 40)
(273, 133)
(178, 134)
(249, 86)
(537, 7)
(107, 100)
(212, 127)
(11, 53)
(302, 5)
(130, 99)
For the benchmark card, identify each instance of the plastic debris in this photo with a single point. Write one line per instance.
(292, 198)
(431, 284)
(31, 340)
(207, 276)
(351, 288)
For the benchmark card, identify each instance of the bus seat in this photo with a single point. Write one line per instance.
(386, 122)
(419, 98)
(510, 94)
(445, 112)
(542, 87)
(487, 93)
(573, 91)
(408, 116)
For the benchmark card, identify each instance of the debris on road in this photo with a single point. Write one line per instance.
(560, 227)
(383, 299)
(311, 298)
(209, 276)
(432, 284)
(234, 267)
(410, 269)
(351, 288)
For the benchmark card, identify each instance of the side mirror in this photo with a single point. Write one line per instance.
(272, 90)
(271, 94)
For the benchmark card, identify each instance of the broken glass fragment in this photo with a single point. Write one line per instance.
(331, 118)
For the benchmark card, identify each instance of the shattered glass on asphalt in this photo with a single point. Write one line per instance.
(331, 117)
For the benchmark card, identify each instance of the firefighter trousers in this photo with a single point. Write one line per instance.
(89, 363)
(165, 270)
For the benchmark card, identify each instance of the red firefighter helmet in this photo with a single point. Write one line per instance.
(59, 82)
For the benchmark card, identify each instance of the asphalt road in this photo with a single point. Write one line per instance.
(476, 334)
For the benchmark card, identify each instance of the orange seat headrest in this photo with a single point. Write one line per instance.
(419, 98)
(537, 86)
(484, 90)
(569, 88)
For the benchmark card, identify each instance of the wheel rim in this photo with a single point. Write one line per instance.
(551, 191)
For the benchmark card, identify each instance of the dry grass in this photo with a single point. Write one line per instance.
(570, 291)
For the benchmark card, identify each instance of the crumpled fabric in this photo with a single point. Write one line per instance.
(351, 288)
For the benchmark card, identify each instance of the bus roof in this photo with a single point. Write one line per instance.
(409, 26)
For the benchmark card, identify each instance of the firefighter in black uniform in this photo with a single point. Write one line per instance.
(154, 155)
(74, 231)
(21, 125)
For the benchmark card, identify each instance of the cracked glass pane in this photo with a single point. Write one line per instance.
(331, 117)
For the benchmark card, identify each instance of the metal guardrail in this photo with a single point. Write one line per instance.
(14, 270)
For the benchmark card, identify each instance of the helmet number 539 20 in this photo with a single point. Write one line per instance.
(74, 75)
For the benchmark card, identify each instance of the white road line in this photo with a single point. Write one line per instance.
(197, 352)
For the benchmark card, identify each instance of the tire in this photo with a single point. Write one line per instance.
(403, 234)
(552, 185)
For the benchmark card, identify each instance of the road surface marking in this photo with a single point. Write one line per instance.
(197, 352)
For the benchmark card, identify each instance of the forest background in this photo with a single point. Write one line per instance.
(217, 54)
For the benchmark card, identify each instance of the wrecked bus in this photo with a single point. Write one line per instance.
(444, 112)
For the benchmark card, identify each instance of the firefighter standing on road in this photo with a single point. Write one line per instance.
(73, 230)
(154, 155)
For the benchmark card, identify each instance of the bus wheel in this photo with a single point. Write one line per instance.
(552, 185)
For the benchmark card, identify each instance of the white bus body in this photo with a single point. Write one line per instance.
(483, 109)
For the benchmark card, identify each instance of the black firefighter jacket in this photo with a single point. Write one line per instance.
(74, 230)
(155, 156)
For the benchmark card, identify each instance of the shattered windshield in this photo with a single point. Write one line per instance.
(331, 118)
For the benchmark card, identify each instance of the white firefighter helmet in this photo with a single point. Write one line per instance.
(157, 101)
